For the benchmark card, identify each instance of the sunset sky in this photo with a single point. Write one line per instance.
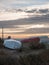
(23, 18)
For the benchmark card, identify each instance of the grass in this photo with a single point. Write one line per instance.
(40, 59)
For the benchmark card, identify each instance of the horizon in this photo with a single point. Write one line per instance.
(22, 36)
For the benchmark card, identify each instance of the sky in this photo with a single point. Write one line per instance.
(24, 16)
(21, 3)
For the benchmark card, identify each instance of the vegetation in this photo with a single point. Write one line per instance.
(1, 43)
(41, 59)
(37, 45)
(38, 59)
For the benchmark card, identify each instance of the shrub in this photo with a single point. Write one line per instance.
(1, 43)
(34, 46)
(43, 45)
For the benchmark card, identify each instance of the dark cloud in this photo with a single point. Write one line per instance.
(31, 11)
(40, 11)
(44, 19)
(37, 30)
(43, 11)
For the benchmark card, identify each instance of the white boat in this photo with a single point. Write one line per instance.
(12, 44)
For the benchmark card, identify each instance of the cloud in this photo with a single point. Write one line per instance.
(43, 11)
(30, 24)
(31, 11)
(38, 11)
(30, 20)
(20, 27)
(13, 14)
(37, 30)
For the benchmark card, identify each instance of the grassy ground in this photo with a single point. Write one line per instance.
(28, 56)
(35, 57)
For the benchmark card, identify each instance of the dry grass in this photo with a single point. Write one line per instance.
(40, 59)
